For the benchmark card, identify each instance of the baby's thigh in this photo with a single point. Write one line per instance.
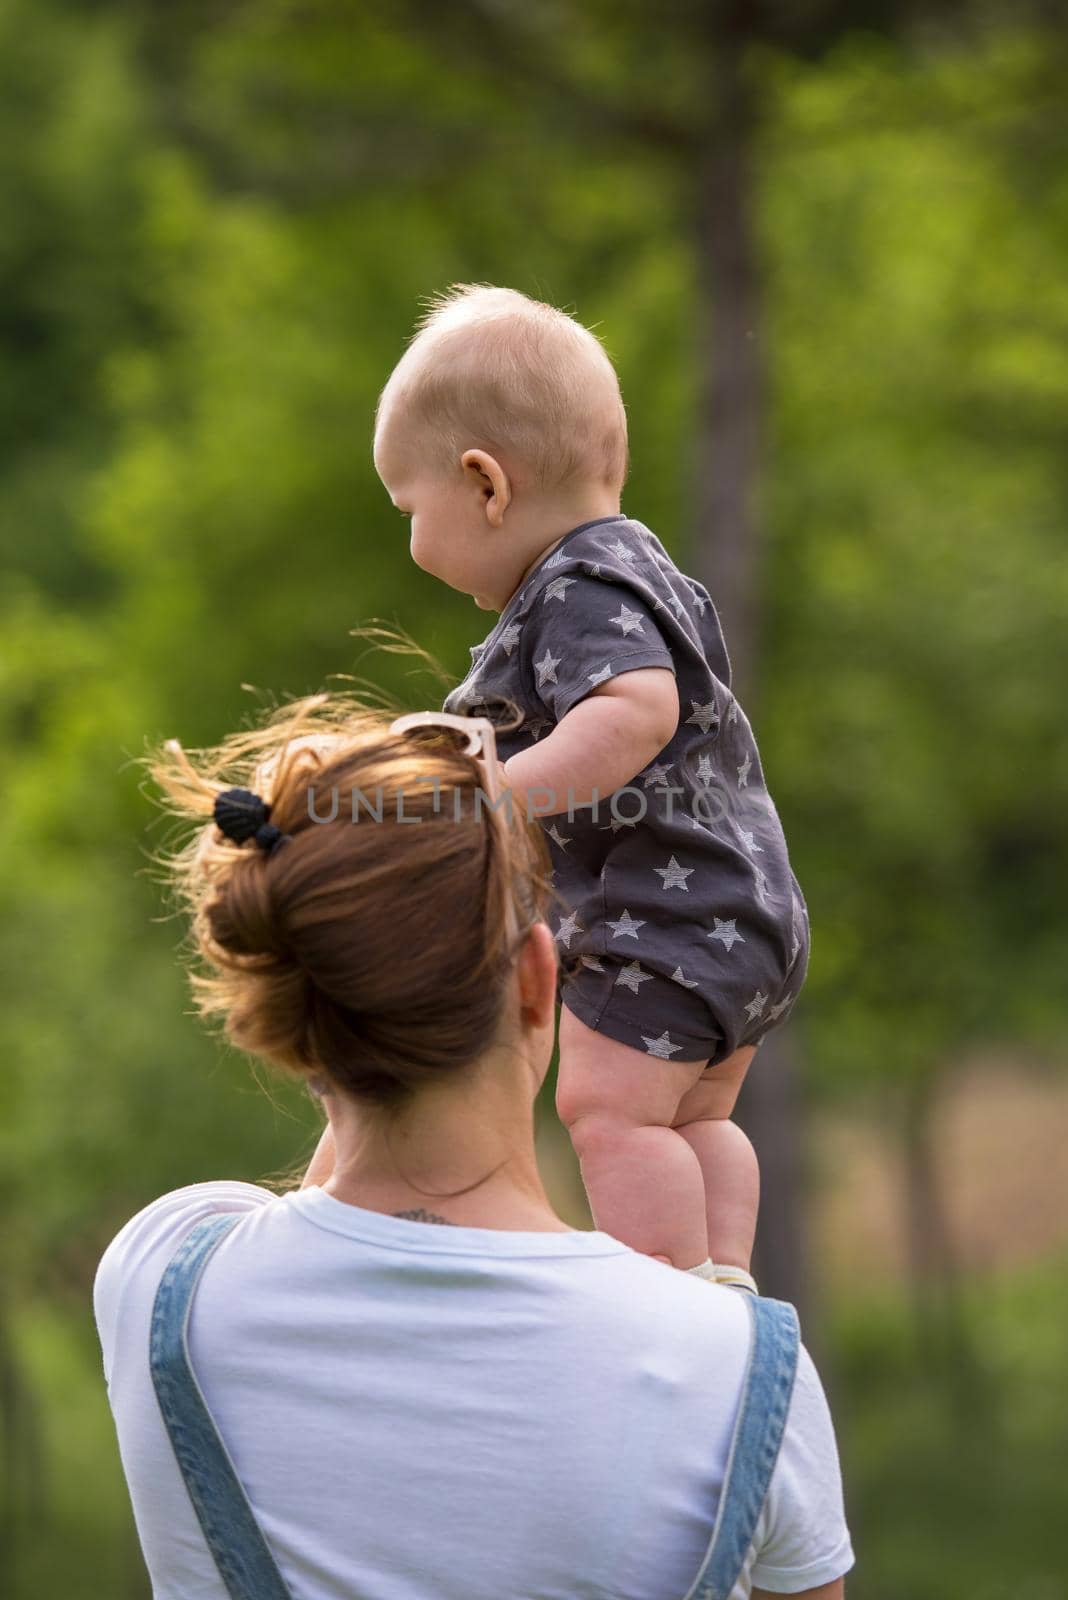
(713, 1096)
(600, 1076)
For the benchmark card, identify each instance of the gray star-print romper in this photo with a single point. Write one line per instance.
(686, 929)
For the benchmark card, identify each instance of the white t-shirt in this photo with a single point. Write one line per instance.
(417, 1409)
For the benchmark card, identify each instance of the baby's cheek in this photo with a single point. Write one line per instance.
(415, 545)
(423, 553)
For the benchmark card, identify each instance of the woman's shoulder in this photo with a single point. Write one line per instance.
(802, 1539)
(153, 1233)
(167, 1219)
(692, 1339)
(698, 1328)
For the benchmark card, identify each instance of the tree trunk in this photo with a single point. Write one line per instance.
(943, 1337)
(770, 1109)
(731, 388)
(932, 1257)
(728, 560)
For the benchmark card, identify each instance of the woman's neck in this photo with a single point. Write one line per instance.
(465, 1160)
(506, 1211)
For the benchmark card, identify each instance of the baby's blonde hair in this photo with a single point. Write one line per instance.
(491, 368)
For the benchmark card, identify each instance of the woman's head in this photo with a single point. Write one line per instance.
(374, 948)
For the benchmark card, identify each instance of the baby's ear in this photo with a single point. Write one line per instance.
(473, 465)
(487, 472)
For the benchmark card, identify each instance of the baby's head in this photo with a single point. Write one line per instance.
(501, 427)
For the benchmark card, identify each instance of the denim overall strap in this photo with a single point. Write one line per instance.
(234, 1538)
(758, 1431)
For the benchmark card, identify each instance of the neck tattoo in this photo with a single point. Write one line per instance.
(419, 1215)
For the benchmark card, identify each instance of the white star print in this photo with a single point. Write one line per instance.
(619, 549)
(700, 602)
(592, 962)
(617, 823)
(676, 605)
(732, 714)
(536, 729)
(557, 837)
(661, 1047)
(750, 843)
(794, 947)
(547, 668)
(631, 976)
(726, 933)
(510, 637)
(554, 561)
(755, 1008)
(603, 675)
(594, 570)
(656, 775)
(674, 876)
(775, 1012)
(568, 929)
(704, 769)
(687, 983)
(557, 590)
(626, 927)
(743, 772)
(629, 621)
(703, 716)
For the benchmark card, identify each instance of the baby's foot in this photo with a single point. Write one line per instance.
(736, 1278)
(731, 1277)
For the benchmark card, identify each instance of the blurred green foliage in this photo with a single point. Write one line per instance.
(215, 227)
(953, 1488)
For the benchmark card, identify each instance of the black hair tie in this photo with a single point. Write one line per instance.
(242, 815)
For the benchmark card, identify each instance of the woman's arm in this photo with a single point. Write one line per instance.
(826, 1591)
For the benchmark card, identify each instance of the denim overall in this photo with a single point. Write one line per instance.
(233, 1535)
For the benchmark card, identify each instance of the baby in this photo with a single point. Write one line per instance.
(501, 433)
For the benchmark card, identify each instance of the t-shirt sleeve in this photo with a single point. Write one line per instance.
(149, 1239)
(801, 1539)
(581, 631)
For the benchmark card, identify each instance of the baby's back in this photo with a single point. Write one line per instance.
(680, 886)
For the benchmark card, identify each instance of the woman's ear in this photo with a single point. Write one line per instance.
(537, 972)
(493, 483)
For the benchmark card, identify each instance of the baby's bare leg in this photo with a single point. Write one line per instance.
(643, 1177)
(727, 1159)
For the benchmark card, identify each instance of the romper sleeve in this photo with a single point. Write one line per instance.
(584, 630)
(802, 1540)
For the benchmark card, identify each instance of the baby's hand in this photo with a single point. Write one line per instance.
(599, 745)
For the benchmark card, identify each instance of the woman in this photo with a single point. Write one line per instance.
(409, 1378)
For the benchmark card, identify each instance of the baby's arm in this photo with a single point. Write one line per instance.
(601, 743)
